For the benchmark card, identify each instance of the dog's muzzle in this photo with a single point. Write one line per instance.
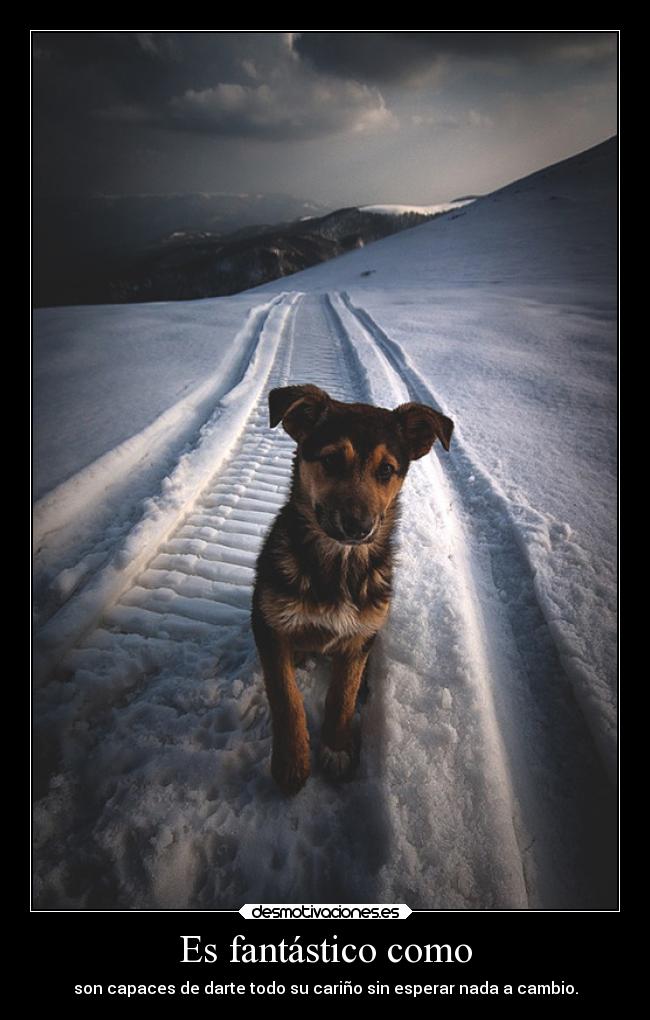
(346, 527)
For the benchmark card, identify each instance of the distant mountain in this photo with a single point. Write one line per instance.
(187, 263)
(80, 243)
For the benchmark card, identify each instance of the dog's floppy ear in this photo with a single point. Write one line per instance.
(420, 426)
(299, 408)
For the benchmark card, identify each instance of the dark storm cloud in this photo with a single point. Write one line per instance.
(393, 57)
(83, 72)
(236, 85)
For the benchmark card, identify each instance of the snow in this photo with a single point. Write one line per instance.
(424, 210)
(179, 488)
(488, 724)
(104, 373)
(114, 412)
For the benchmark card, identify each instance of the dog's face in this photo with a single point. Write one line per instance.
(353, 458)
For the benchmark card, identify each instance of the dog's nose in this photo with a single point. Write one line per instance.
(356, 527)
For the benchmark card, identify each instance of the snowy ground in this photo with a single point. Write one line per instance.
(426, 210)
(488, 721)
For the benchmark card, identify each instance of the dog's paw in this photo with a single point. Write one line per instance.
(336, 764)
(291, 772)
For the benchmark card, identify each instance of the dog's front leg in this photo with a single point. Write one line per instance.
(290, 759)
(337, 749)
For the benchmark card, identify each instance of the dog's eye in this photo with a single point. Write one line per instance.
(385, 471)
(331, 461)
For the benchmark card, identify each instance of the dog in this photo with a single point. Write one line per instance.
(324, 574)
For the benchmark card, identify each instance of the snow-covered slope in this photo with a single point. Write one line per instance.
(556, 227)
(426, 210)
(490, 706)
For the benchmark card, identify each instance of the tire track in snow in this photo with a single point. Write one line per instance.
(78, 524)
(531, 530)
(564, 811)
(162, 511)
(453, 835)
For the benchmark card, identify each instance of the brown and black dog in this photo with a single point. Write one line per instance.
(324, 574)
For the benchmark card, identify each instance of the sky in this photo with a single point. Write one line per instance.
(338, 118)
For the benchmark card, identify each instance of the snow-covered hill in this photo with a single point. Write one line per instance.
(489, 722)
(423, 210)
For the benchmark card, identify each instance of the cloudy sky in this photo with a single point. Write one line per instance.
(335, 117)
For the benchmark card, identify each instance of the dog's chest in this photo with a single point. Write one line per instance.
(343, 619)
(321, 627)
(337, 605)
